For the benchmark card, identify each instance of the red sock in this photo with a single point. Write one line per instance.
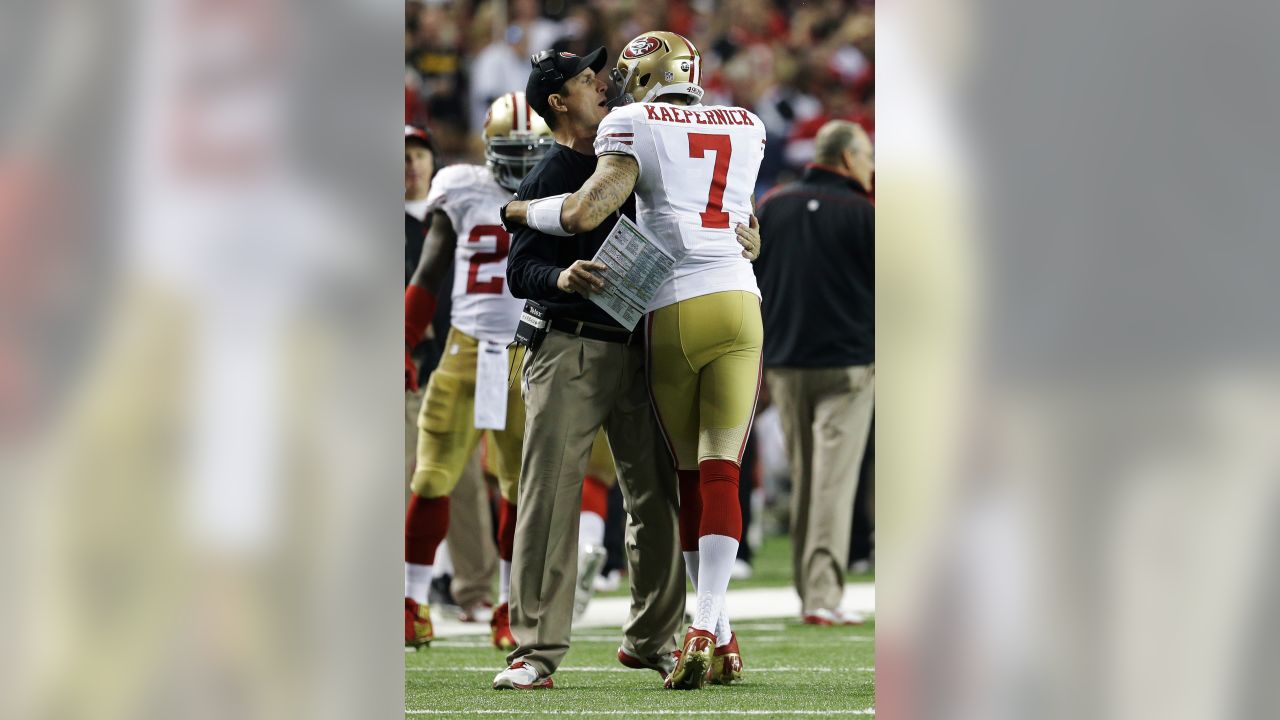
(723, 512)
(506, 529)
(690, 509)
(425, 525)
(595, 496)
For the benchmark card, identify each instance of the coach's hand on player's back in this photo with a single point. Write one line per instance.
(581, 277)
(749, 239)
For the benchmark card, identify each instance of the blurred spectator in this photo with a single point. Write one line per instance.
(796, 63)
(434, 60)
(502, 66)
(818, 282)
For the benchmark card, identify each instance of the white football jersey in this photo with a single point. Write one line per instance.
(482, 304)
(698, 167)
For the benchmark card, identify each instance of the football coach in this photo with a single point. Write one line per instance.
(818, 283)
(587, 372)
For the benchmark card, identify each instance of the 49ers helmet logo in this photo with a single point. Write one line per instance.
(642, 46)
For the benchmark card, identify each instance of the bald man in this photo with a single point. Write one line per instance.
(817, 277)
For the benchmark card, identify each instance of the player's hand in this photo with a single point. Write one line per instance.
(410, 373)
(513, 213)
(582, 277)
(749, 239)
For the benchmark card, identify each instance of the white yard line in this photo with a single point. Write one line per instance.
(742, 605)
(643, 712)
(619, 669)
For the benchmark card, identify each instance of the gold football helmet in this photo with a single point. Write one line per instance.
(658, 63)
(515, 139)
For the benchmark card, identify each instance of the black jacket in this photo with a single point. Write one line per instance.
(817, 273)
(535, 260)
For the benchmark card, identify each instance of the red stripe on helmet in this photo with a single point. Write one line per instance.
(693, 59)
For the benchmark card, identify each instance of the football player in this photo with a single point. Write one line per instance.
(693, 170)
(464, 202)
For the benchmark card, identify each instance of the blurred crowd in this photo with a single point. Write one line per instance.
(795, 63)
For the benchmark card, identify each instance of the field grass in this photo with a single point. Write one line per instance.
(792, 670)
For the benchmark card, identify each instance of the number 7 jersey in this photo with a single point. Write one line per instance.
(698, 167)
(482, 303)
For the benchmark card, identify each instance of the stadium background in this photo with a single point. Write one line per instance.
(795, 63)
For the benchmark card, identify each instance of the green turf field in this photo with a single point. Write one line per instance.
(792, 670)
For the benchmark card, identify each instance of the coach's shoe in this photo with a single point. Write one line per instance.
(590, 559)
(690, 672)
(726, 663)
(500, 628)
(475, 612)
(417, 624)
(521, 676)
(824, 616)
(663, 664)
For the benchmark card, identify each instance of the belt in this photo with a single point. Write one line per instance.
(595, 332)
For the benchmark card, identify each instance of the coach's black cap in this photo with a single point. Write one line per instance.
(550, 71)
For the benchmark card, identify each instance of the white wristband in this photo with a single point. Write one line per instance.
(543, 215)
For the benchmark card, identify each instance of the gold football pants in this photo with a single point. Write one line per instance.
(447, 435)
(704, 374)
(600, 464)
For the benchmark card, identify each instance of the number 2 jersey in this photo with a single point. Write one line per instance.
(482, 304)
(698, 167)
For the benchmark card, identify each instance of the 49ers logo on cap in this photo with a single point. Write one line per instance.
(567, 55)
(641, 47)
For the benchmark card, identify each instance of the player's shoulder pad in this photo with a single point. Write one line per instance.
(459, 177)
(632, 111)
(616, 133)
(621, 117)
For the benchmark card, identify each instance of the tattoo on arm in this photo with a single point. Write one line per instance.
(604, 192)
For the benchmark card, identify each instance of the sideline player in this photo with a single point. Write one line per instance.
(464, 203)
(693, 170)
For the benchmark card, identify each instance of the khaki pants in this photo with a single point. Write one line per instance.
(471, 540)
(825, 415)
(572, 387)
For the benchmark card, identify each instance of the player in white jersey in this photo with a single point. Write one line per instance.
(693, 170)
(464, 202)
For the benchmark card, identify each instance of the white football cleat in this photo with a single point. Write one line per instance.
(663, 664)
(521, 676)
(824, 616)
(608, 583)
